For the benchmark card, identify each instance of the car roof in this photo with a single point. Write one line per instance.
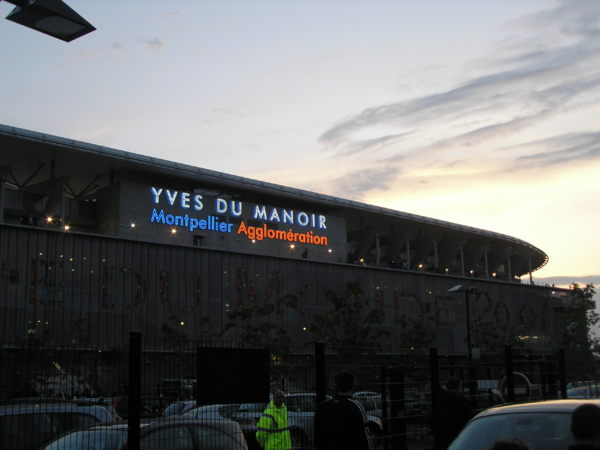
(559, 406)
(220, 423)
(45, 406)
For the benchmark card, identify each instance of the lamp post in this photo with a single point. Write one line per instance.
(52, 17)
(467, 290)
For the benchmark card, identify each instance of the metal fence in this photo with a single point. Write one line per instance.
(47, 391)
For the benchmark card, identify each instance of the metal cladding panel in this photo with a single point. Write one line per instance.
(53, 284)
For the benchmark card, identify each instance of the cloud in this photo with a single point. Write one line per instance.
(172, 14)
(565, 148)
(566, 280)
(357, 184)
(553, 70)
(155, 44)
(116, 46)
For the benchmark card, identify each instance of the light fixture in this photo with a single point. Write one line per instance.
(52, 17)
(49, 219)
(173, 231)
(67, 227)
(132, 224)
(292, 246)
(329, 250)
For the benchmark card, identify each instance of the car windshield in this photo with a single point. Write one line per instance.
(301, 403)
(541, 431)
(254, 407)
(90, 439)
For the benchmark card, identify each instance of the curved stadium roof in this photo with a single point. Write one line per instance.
(402, 239)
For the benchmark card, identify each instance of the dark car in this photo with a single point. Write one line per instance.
(542, 425)
(183, 433)
(25, 426)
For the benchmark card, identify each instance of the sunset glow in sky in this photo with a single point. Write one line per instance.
(481, 113)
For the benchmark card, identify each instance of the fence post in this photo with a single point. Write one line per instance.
(397, 398)
(562, 374)
(384, 407)
(435, 383)
(510, 384)
(320, 377)
(134, 391)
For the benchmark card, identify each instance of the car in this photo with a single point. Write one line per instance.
(583, 389)
(29, 425)
(151, 406)
(217, 411)
(543, 425)
(248, 415)
(179, 407)
(301, 413)
(173, 433)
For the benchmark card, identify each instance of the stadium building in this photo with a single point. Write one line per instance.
(119, 241)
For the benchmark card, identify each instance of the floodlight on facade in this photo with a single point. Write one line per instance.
(52, 17)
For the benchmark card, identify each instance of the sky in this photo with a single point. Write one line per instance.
(481, 113)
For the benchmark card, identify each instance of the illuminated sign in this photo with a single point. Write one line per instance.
(188, 204)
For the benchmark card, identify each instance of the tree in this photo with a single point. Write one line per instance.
(575, 319)
(492, 337)
(349, 323)
(416, 333)
(255, 327)
(174, 329)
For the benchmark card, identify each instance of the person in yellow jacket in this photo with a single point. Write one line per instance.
(272, 429)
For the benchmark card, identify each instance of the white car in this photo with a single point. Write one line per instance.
(218, 411)
(171, 432)
(179, 407)
(301, 413)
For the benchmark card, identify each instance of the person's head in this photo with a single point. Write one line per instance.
(278, 397)
(344, 383)
(510, 444)
(454, 384)
(585, 424)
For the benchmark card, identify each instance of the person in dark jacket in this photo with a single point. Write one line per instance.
(451, 415)
(340, 423)
(584, 427)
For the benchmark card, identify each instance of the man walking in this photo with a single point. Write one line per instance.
(340, 423)
(584, 427)
(452, 413)
(273, 432)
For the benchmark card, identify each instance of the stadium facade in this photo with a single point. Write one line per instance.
(118, 241)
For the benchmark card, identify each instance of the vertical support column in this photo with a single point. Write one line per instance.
(509, 265)
(462, 260)
(377, 250)
(135, 381)
(320, 373)
(435, 254)
(530, 270)
(487, 267)
(408, 253)
(62, 207)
